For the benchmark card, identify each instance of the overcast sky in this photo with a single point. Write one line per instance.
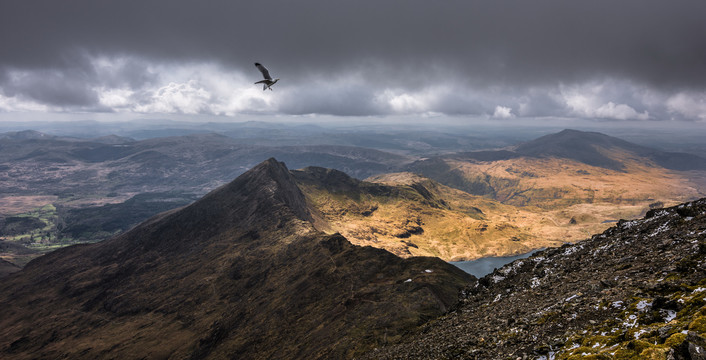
(628, 60)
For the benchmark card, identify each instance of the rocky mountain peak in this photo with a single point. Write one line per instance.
(264, 197)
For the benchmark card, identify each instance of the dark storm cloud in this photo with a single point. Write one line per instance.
(411, 44)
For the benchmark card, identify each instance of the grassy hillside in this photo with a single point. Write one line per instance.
(409, 215)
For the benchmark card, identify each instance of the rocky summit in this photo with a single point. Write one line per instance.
(241, 273)
(636, 291)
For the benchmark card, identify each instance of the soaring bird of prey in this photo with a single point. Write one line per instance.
(268, 82)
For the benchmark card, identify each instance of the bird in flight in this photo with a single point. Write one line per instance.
(268, 82)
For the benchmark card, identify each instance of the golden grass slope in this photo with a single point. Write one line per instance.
(537, 203)
(409, 215)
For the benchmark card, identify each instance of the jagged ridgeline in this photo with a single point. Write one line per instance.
(636, 291)
(241, 273)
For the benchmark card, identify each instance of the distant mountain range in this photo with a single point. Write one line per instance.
(38, 163)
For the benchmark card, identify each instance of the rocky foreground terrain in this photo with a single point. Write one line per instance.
(636, 291)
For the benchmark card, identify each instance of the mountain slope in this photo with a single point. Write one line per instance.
(410, 215)
(240, 273)
(637, 291)
(579, 182)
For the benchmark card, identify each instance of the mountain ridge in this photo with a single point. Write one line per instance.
(241, 272)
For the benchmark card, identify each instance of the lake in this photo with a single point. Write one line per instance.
(485, 266)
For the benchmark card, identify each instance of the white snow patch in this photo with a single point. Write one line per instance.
(631, 321)
(617, 304)
(628, 224)
(550, 356)
(642, 305)
(571, 297)
(662, 228)
(639, 333)
(669, 315)
(497, 278)
(572, 249)
(497, 298)
(408, 280)
(428, 271)
(535, 282)
(700, 289)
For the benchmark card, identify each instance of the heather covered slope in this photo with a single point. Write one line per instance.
(636, 291)
(240, 273)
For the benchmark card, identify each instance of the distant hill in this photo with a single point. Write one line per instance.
(605, 151)
(565, 165)
(240, 273)
(590, 148)
(636, 291)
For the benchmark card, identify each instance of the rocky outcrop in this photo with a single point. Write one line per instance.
(636, 291)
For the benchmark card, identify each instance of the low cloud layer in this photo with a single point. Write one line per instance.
(628, 60)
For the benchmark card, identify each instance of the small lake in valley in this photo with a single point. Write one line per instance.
(484, 266)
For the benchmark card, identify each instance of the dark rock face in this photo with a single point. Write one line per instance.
(241, 273)
(637, 291)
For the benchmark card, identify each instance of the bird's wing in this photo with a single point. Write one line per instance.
(264, 71)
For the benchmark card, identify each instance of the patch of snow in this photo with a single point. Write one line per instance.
(574, 346)
(597, 345)
(700, 289)
(617, 304)
(631, 321)
(639, 333)
(661, 213)
(497, 278)
(642, 305)
(428, 271)
(628, 224)
(669, 316)
(662, 228)
(408, 280)
(550, 356)
(572, 249)
(497, 298)
(535, 282)
(539, 259)
(571, 297)
(689, 218)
